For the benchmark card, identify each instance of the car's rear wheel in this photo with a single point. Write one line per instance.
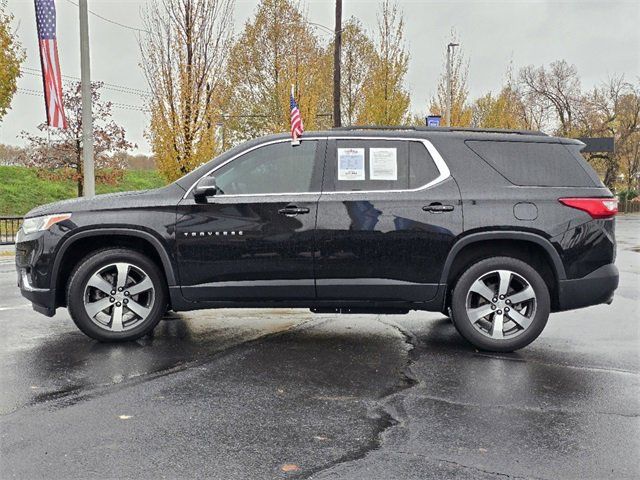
(500, 304)
(116, 295)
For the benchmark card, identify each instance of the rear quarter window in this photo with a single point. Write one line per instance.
(534, 163)
(422, 168)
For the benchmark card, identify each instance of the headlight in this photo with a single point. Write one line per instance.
(37, 224)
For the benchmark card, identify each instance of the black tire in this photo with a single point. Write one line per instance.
(538, 319)
(93, 263)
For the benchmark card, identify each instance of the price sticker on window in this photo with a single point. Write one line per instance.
(351, 164)
(383, 163)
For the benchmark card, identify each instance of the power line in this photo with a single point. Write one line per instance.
(106, 85)
(27, 91)
(126, 106)
(140, 108)
(119, 106)
(129, 27)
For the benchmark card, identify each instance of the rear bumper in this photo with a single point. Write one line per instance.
(592, 289)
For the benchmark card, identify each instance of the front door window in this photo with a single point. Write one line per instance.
(276, 168)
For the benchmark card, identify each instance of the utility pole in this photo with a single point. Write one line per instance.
(89, 187)
(447, 117)
(337, 46)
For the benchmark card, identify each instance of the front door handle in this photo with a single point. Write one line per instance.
(292, 210)
(437, 208)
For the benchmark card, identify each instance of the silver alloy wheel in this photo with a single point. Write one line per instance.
(119, 296)
(501, 304)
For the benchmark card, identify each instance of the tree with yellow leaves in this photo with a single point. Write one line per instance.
(357, 63)
(460, 111)
(504, 110)
(184, 54)
(276, 48)
(386, 100)
(11, 56)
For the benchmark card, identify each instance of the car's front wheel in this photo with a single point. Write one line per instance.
(116, 294)
(500, 304)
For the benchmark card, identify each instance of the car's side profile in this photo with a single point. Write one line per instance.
(497, 229)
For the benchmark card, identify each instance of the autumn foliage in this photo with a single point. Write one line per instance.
(386, 99)
(57, 153)
(184, 58)
(276, 49)
(11, 56)
(210, 92)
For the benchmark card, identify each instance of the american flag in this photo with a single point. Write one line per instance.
(51, 78)
(296, 119)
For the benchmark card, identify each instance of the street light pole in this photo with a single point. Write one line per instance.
(337, 46)
(89, 189)
(447, 117)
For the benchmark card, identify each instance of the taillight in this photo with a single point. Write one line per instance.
(596, 207)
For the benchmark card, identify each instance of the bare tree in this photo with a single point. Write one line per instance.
(534, 111)
(613, 109)
(12, 155)
(183, 56)
(556, 88)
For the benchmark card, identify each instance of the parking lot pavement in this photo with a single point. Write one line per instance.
(286, 394)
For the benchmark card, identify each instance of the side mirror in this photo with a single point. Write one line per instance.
(206, 187)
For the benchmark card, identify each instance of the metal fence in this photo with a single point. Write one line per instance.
(9, 226)
(629, 207)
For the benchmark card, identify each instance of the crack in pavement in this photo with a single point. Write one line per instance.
(385, 416)
(391, 415)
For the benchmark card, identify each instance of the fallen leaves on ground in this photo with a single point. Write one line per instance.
(290, 467)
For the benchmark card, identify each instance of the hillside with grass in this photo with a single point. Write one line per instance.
(21, 189)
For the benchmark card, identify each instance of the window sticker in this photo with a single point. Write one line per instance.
(351, 164)
(383, 163)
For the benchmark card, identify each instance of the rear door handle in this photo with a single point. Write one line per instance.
(292, 210)
(437, 208)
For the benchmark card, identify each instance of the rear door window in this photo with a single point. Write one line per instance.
(365, 165)
(374, 165)
(533, 163)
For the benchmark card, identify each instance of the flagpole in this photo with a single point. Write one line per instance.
(337, 46)
(89, 188)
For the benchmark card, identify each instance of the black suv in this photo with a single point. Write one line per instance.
(494, 228)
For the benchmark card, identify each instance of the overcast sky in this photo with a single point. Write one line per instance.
(601, 38)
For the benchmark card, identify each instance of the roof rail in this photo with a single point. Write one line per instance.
(442, 129)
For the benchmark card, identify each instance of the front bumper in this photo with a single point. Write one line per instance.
(33, 265)
(42, 299)
(593, 289)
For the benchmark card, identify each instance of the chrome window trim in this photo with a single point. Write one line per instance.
(441, 165)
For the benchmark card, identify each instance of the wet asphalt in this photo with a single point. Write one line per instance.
(252, 394)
